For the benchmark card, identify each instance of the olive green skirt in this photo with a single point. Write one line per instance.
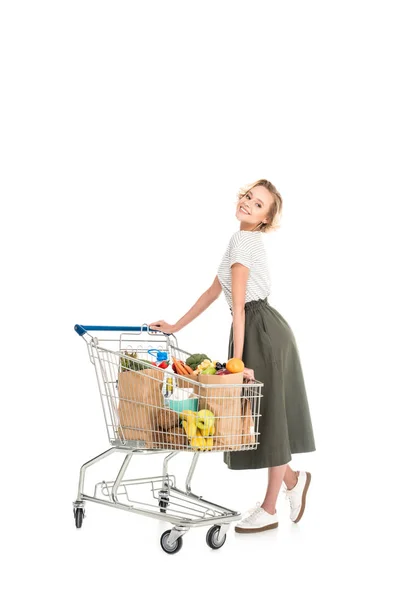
(285, 424)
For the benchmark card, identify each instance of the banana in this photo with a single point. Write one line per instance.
(198, 442)
(190, 425)
(209, 443)
(188, 415)
(191, 430)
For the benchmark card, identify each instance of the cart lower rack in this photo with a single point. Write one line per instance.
(149, 410)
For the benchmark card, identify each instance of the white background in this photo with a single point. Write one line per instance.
(126, 130)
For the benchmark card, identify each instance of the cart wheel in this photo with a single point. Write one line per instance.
(212, 538)
(163, 504)
(79, 514)
(175, 547)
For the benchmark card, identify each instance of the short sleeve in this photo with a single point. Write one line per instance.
(240, 250)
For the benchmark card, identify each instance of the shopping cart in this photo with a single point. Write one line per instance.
(151, 410)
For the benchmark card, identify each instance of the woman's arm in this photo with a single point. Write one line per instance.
(207, 298)
(240, 274)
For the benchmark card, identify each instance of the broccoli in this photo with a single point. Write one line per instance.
(195, 359)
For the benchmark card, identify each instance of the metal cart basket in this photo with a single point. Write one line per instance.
(152, 410)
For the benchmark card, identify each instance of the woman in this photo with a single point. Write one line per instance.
(262, 338)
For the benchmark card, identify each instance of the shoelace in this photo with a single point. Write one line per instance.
(289, 497)
(250, 519)
(253, 509)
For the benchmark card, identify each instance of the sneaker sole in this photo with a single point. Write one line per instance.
(242, 530)
(303, 497)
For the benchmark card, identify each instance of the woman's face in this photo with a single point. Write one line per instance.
(253, 207)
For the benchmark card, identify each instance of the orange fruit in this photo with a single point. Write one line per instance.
(235, 365)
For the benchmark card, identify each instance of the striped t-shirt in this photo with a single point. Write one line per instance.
(247, 248)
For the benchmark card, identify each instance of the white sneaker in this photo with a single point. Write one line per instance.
(258, 520)
(297, 496)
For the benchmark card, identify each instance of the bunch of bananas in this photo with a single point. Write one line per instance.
(199, 427)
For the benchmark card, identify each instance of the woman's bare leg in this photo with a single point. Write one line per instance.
(290, 477)
(275, 478)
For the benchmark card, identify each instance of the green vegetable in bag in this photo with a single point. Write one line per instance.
(195, 359)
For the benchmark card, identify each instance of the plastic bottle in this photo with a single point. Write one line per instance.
(168, 388)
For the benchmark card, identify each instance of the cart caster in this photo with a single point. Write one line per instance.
(79, 514)
(212, 537)
(163, 504)
(170, 548)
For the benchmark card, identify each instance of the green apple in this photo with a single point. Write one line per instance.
(205, 419)
(209, 371)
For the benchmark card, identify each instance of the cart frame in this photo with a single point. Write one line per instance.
(182, 508)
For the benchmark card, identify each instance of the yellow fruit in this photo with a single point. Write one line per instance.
(235, 365)
(209, 443)
(198, 442)
(191, 430)
(212, 430)
(205, 419)
(188, 415)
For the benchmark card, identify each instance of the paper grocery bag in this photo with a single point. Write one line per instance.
(140, 399)
(226, 405)
(187, 384)
(248, 436)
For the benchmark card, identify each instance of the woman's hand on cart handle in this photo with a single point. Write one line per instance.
(248, 374)
(163, 326)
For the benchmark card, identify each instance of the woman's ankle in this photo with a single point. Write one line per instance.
(269, 509)
(293, 483)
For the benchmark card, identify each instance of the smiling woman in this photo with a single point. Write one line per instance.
(262, 338)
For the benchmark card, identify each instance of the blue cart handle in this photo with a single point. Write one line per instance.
(82, 329)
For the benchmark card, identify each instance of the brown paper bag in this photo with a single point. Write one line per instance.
(173, 439)
(248, 436)
(186, 384)
(225, 403)
(140, 399)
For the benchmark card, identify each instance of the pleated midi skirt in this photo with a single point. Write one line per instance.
(285, 425)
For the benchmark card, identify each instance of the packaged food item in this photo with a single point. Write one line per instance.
(172, 439)
(166, 419)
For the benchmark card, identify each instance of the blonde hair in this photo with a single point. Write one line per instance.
(275, 210)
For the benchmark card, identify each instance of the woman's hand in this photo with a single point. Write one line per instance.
(163, 326)
(248, 374)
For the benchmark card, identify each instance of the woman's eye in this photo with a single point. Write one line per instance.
(259, 205)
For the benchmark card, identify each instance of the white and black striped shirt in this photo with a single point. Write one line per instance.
(247, 248)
